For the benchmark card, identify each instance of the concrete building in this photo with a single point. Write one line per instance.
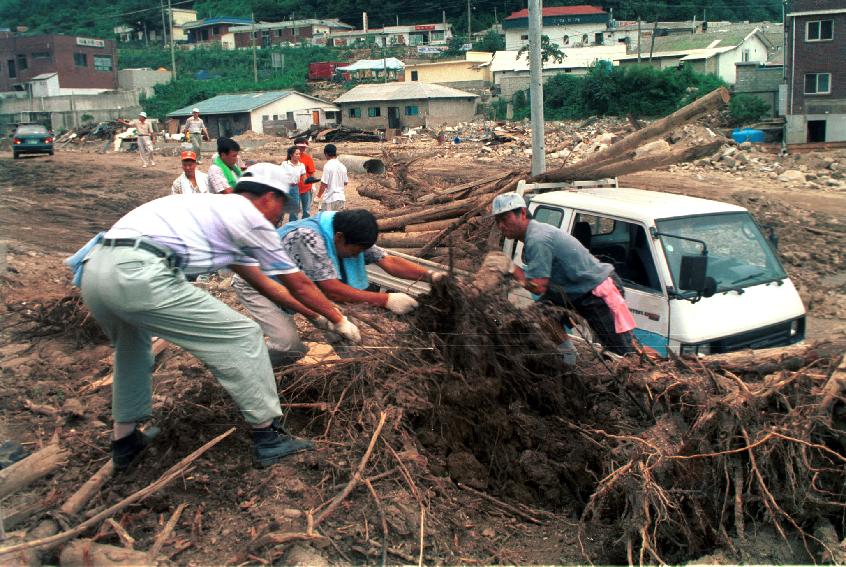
(67, 111)
(230, 115)
(142, 80)
(472, 72)
(82, 65)
(412, 35)
(289, 32)
(213, 31)
(511, 73)
(180, 16)
(568, 26)
(762, 81)
(405, 104)
(388, 68)
(707, 52)
(816, 74)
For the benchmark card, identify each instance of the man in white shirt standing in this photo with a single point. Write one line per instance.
(134, 283)
(191, 180)
(196, 129)
(334, 181)
(145, 137)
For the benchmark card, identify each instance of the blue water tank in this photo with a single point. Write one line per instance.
(748, 135)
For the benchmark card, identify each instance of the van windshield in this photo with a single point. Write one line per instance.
(738, 254)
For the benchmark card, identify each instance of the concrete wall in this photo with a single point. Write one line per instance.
(66, 111)
(142, 79)
(448, 72)
(797, 127)
(760, 81)
(430, 112)
(514, 37)
(512, 81)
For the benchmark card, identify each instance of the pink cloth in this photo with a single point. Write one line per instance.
(608, 292)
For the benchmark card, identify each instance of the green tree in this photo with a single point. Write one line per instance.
(549, 51)
(490, 42)
(746, 108)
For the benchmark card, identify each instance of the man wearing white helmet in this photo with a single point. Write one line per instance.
(563, 272)
(196, 129)
(146, 137)
(133, 280)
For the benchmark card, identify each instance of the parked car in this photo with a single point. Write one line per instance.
(32, 139)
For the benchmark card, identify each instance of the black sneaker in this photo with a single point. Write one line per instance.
(272, 444)
(126, 450)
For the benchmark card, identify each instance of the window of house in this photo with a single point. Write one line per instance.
(524, 37)
(819, 30)
(277, 33)
(436, 36)
(12, 72)
(412, 110)
(276, 117)
(216, 30)
(41, 55)
(204, 34)
(265, 117)
(355, 113)
(22, 63)
(817, 83)
(80, 59)
(745, 55)
(414, 75)
(599, 38)
(295, 32)
(102, 63)
(374, 111)
(289, 115)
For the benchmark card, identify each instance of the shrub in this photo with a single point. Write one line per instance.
(746, 108)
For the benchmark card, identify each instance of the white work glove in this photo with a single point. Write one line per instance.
(400, 303)
(437, 277)
(346, 329)
(321, 322)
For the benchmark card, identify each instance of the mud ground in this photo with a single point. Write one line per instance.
(50, 206)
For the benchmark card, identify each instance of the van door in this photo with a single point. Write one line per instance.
(624, 245)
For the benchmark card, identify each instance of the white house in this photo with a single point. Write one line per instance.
(568, 26)
(510, 73)
(233, 114)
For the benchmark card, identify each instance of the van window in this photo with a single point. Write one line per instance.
(622, 244)
(549, 215)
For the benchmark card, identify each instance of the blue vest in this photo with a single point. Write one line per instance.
(351, 269)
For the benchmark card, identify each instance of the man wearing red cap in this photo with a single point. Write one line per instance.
(191, 180)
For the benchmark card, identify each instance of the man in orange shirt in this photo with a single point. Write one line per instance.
(305, 188)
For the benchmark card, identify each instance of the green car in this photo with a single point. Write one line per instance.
(32, 139)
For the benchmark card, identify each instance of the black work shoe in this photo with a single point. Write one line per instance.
(272, 444)
(126, 450)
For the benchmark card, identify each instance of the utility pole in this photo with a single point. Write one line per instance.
(164, 25)
(469, 25)
(536, 86)
(253, 36)
(638, 38)
(172, 46)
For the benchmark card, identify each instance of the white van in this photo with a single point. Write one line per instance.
(699, 275)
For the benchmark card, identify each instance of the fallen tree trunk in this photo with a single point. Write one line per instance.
(437, 212)
(405, 239)
(654, 162)
(766, 361)
(416, 252)
(428, 226)
(388, 197)
(712, 101)
(28, 470)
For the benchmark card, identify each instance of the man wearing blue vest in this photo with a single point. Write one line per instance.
(331, 249)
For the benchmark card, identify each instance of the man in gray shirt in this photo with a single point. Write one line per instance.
(196, 128)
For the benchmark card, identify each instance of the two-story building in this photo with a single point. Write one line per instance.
(293, 31)
(815, 64)
(214, 31)
(568, 26)
(57, 64)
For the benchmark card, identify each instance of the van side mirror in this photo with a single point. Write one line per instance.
(693, 276)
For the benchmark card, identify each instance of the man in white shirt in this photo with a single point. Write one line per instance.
(334, 180)
(196, 129)
(145, 137)
(191, 180)
(134, 284)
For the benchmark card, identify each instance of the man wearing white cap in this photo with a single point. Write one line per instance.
(196, 129)
(134, 284)
(563, 272)
(146, 137)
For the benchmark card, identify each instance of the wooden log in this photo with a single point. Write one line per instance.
(28, 470)
(437, 212)
(712, 101)
(766, 361)
(19, 515)
(428, 226)
(416, 251)
(405, 239)
(482, 204)
(647, 163)
(86, 553)
(385, 196)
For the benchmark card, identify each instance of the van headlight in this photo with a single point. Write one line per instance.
(795, 327)
(691, 350)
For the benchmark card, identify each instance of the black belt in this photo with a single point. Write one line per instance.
(141, 244)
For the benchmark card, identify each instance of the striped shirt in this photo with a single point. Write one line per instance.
(208, 232)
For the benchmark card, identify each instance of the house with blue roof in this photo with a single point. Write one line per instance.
(233, 114)
(214, 31)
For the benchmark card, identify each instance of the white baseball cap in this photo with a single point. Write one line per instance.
(270, 174)
(507, 202)
(195, 110)
(142, 113)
